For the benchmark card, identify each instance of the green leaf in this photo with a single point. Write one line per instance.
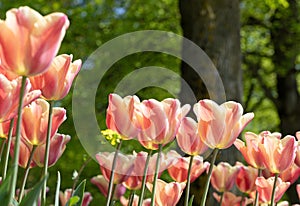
(4, 189)
(32, 197)
(79, 192)
(191, 200)
(73, 201)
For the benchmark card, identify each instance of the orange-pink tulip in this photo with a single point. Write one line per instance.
(30, 41)
(167, 194)
(265, 186)
(57, 147)
(230, 199)
(125, 202)
(291, 174)
(250, 149)
(35, 121)
(9, 97)
(56, 82)
(220, 125)
(223, 176)
(123, 168)
(102, 185)
(4, 129)
(245, 179)
(278, 154)
(297, 159)
(121, 116)
(179, 169)
(188, 138)
(65, 196)
(159, 121)
(25, 151)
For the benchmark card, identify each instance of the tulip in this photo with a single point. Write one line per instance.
(102, 185)
(179, 169)
(278, 154)
(9, 96)
(297, 160)
(223, 176)
(168, 194)
(188, 138)
(298, 190)
(56, 82)
(123, 169)
(35, 121)
(245, 179)
(25, 150)
(57, 147)
(250, 151)
(291, 174)
(65, 196)
(125, 202)
(120, 115)
(30, 41)
(219, 126)
(4, 129)
(159, 121)
(265, 186)
(230, 199)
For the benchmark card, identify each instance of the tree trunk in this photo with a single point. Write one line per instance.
(214, 25)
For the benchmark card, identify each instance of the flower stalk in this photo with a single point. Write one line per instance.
(186, 200)
(156, 174)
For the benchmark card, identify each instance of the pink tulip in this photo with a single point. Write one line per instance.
(188, 138)
(9, 96)
(35, 121)
(179, 169)
(291, 174)
(245, 179)
(265, 186)
(57, 147)
(167, 194)
(159, 121)
(123, 168)
(278, 154)
(298, 190)
(65, 196)
(29, 41)
(102, 185)
(223, 176)
(25, 151)
(121, 117)
(220, 125)
(297, 160)
(56, 82)
(250, 150)
(125, 202)
(230, 199)
(4, 129)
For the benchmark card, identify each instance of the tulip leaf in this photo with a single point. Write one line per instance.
(4, 189)
(191, 200)
(79, 192)
(32, 197)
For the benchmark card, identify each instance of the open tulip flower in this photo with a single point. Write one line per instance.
(223, 176)
(124, 166)
(35, 121)
(167, 194)
(102, 185)
(9, 96)
(220, 125)
(265, 186)
(159, 121)
(278, 154)
(297, 159)
(65, 196)
(121, 116)
(125, 202)
(179, 169)
(56, 82)
(188, 138)
(230, 199)
(245, 179)
(30, 41)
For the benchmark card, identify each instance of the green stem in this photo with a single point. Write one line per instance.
(131, 198)
(112, 202)
(11, 127)
(111, 179)
(47, 150)
(2, 148)
(79, 173)
(156, 174)
(12, 188)
(141, 198)
(26, 173)
(256, 194)
(221, 200)
(203, 200)
(187, 194)
(274, 189)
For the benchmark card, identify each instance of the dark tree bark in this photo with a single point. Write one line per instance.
(214, 25)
